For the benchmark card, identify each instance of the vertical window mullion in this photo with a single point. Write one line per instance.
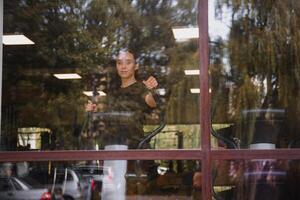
(205, 121)
(1, 53)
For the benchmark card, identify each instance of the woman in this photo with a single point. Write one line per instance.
(128, 104)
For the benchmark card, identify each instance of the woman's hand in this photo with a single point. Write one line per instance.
(150, 83)
(90, 107)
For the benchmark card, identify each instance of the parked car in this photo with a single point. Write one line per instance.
(18, 188)
(94, 174)
(72, 185)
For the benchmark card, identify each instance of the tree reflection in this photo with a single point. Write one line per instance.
(83, 37)
(262, 69)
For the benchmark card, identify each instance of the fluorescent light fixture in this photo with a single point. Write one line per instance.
(184, 34)
(195, 90)
(67, 76)
(90, 93)
(192, 72)
(16, 40)
(161, 91)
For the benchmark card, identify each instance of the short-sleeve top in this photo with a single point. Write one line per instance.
(128, 107)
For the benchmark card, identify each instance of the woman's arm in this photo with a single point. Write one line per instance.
(150, 83)
(150, 101)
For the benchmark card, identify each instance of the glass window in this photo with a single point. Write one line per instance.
(119, 75)
(254, 73)
(86, 74)
(256, 179)
(114, 179)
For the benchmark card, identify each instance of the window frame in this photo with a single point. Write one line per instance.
(206, 155)
(1, 55)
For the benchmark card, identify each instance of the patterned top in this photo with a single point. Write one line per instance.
(127, 108)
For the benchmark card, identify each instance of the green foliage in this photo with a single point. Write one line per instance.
(263, 47)
(84, 36)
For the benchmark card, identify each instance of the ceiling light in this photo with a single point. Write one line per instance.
(161, 91)
(90, 93)
(67, 76)
(195, 90)
(192, 72)
(16, 40)
(184, 34)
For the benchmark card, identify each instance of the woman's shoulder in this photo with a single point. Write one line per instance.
(140, 85)
(142, 88)
(137, 86)
(136, 89)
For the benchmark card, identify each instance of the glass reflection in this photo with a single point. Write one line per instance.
(99, 180)
(256, 179)
(73, 59)
(255, 73)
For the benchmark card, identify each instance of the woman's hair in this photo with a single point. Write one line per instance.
(123, 50)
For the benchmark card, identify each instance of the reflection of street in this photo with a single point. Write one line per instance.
(93, 181)
(256, 179)
(15, 183)
(264, 179)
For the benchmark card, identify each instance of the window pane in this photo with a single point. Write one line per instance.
(114, 179)
(60, 55)
(255, 73)
(256, 179)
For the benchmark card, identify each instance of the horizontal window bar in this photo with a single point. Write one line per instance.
(14, 156)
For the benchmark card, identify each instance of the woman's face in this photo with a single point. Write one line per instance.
(126, 65)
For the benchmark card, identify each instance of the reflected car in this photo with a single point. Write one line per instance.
(94, 175)
(72, 185)
(16, 188)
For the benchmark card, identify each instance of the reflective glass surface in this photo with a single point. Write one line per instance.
(254, 68)
(256, 179)
(113, 180)
(86, 74)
